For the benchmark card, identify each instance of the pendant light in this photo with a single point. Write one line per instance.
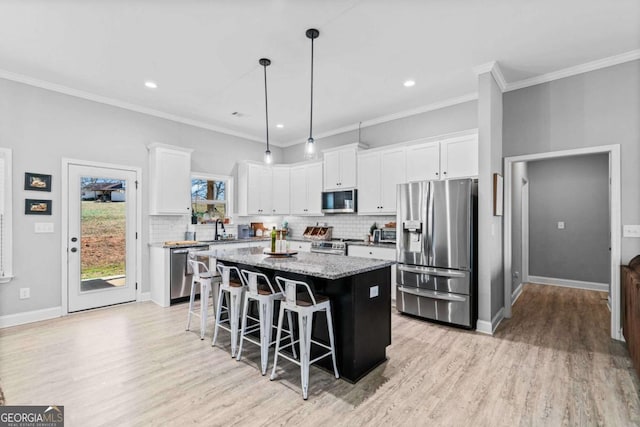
(310, 146)
(265, 63)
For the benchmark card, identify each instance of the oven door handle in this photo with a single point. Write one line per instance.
(432, 271)
(431, 294)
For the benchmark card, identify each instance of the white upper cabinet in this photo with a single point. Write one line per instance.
(306, 189)
(459, 157)
(423, 161)
(340, 167)
(280, 190)
(449, 158)
(169, 180)
(257, 187)
(379, 173)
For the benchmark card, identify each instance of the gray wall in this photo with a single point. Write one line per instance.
(432, 123)
(42, 127)
(601, 107)
(574, 190)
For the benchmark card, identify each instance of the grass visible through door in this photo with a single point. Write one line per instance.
(103, 241)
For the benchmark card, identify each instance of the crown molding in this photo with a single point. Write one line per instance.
(8, 75)
(494, 68)
(390, 117)
(578, 69)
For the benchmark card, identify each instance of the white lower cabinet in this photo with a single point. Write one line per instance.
(299, 246)
(377, 252)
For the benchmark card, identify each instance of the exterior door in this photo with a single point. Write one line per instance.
(101, 246)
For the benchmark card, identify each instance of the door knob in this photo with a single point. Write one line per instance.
(74, 239)
(74, 249)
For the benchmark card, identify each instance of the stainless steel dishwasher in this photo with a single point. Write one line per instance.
(180, 282)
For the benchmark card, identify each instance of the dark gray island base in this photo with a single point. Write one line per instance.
(361, 319)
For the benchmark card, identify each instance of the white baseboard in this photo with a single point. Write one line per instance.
(516, 294)
(30, 316)
(489, 328)
(578, 284)
(145, 296)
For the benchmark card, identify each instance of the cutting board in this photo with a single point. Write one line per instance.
(180, 242)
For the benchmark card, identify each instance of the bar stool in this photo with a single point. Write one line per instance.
(206, 279)
(234, 291)
(305, 310)
(264, 295)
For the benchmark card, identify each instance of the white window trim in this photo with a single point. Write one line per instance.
(228, 190)
(6, 210)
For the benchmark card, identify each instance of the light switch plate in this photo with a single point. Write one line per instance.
(631, 231)
(373, 291)
(43, 227)
(560, 225)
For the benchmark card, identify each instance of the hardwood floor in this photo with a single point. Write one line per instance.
(551, 364)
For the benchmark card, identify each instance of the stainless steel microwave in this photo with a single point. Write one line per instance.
(384, 235)
(340, 201)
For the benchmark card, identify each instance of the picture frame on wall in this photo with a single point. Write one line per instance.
(37, 181)
(498, 195)
(37, 207)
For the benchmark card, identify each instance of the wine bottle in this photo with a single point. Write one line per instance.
(273, 240)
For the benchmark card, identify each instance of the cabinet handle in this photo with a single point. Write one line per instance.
(445, 172)
(370, 253)
(436, 173)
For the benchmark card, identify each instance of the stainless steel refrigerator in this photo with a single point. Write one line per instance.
(437, 250)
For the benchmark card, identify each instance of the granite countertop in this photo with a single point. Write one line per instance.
(178, 244)
(325, 266)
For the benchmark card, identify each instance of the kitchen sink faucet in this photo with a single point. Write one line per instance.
(215, 235)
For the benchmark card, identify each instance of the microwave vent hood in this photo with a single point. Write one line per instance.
(340, 201)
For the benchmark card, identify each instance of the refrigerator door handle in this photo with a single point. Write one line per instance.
(428, 230)
(432, 271)
(431, 294)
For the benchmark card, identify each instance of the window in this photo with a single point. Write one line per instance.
(6, 250)
(211, 197)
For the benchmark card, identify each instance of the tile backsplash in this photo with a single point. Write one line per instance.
(347, 226)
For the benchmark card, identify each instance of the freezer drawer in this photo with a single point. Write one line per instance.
(441, 306)
(434, 279)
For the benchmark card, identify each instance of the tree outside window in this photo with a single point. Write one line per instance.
(209, 199)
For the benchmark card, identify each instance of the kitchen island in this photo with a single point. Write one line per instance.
(360, 294)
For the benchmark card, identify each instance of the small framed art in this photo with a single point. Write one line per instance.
(37, 181)
(37, 207)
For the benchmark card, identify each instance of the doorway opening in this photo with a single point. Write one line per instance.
(558, 252)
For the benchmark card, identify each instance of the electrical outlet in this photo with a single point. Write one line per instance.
(373, 291)
(25, 293)
(560, 225)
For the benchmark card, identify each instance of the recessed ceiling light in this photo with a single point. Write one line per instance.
(279, 125)
(151, 85)
(409, 83)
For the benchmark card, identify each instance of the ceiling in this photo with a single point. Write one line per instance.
(204, 54)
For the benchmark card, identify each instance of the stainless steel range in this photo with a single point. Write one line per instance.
(334, 247)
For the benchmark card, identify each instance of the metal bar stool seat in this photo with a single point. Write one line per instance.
(305, 307)
(206, 280)
(234, 291)
(263, 293)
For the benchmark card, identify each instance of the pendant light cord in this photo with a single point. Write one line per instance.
(311, 114)
(266, 105)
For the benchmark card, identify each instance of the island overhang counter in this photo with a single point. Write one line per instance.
(360, 294)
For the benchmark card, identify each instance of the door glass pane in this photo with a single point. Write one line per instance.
(103, 233)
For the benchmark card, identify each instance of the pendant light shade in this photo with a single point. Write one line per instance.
(310, 146)
(265, 63)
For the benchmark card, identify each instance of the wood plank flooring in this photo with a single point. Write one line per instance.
(551, 364)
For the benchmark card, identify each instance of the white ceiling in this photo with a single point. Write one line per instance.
(204, 54)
